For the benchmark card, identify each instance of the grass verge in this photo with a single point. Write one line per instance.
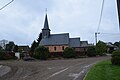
(104, 71)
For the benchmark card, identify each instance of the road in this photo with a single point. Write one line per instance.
(71, 69)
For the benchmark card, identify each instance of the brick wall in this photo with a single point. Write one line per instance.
(57, 48)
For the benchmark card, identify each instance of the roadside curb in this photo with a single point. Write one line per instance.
(86, 75)
(88, 71)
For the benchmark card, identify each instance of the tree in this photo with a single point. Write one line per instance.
(117, 44)
(39, 39)
(1, 48)
(2, 54)
(33, 46)
(91, 51)
(15, 49)
(42, 53)
(101, 48)
(69, 53)
(9, 46)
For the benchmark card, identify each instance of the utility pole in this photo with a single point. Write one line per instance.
(118, 8)
(96, 35)
(6, 5)
(101, 13)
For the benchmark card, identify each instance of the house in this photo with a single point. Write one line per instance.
(23, 49)
(84, 43)
(111, 47)
(56, 43)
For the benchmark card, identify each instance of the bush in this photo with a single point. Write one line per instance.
(116, 57)
(2, 55)
(91, 52)
(7, 55)
(41, 53)
(69, 53)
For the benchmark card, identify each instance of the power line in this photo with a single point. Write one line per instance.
(101, 13)
(6, 5)
(110, 33)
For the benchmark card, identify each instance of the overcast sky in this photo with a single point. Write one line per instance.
(23, 20)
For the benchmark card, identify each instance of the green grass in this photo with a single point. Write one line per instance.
(104, 71)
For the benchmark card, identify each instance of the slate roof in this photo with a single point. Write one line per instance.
(83, 43)
(56, 39)
(74, 42)
(110, 44)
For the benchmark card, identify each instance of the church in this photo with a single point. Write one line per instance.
(56, 43)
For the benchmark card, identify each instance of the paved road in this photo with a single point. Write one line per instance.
(4, 70)
(72, 69)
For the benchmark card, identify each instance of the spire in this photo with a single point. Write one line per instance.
(46, 30)
(46, 25)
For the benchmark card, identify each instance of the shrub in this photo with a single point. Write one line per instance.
(91, 52)
(69, 53)
(116, 57)
(6, 55)
(41, 53)
(2, 55)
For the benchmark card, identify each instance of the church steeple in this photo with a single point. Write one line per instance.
(46, 25)
(46, 30)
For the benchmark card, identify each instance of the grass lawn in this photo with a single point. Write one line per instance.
(104, 71)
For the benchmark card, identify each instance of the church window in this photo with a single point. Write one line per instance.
(63, 48)
(55, 48)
